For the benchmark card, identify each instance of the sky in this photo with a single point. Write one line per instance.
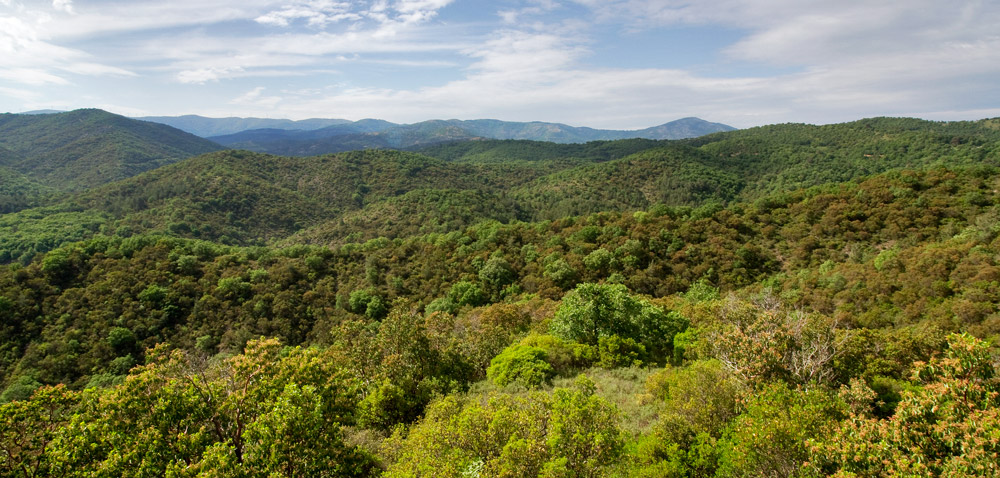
(620, 64)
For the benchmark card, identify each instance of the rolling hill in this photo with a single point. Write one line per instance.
(240, 197)
(206, 127)
(84, 148)
(362, 135)
(782, 301)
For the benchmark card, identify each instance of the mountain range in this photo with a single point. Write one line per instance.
(314, 136)
(243, 197)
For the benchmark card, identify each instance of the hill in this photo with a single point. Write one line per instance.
(636, 308)
(253, 198)
(206, 127)
(17, 192)
(84, 148)
(245, 198)
(419, 135)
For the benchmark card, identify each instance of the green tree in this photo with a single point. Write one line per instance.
(28, 427)
(771, 437)
(949, 426)
(583, 436)
(591, 311)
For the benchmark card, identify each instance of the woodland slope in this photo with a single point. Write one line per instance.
(790, 300)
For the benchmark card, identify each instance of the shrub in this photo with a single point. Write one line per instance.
(522, 365)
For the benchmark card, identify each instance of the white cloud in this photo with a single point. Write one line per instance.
(31, 59)
(316, 13)
(31, 76)
(203, 75)
(63, 5)
(812, 61)
(20, 94)
(256, 99)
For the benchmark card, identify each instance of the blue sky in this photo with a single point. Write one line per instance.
(621, 64)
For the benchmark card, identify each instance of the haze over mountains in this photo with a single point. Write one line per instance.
(322, 136)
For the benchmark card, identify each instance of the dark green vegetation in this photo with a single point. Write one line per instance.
(85, 148)
(16, 190)
(785, 301)
(367, 134)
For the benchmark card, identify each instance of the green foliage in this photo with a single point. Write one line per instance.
(946, 427)
(521, 365)
(28, 427)
(593, 311)
(466, 293)
(121, 340)
(764, 309)
(269, 411)
(565, 357)
(770, 438)
(614, 351)
(495, 274)
(571, 432)
(153, 295)
(583, 435)
(20, 388)
(368, 303)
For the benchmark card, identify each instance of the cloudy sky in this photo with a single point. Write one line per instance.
(602, 63)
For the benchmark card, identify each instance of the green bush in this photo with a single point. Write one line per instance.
(615, 351)
(521, 365)
(122, 340)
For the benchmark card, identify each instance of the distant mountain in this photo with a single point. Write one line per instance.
(85, 148)
(206, 127)
(362, 135)
(42, 112)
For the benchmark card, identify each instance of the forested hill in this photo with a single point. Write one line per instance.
(785, 301)
(366, 134)
(206, 127)
(80, 149)
(818, 330)
(251, 198)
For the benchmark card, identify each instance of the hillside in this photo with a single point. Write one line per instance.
(748, 164)
(810, 314)
(253, 198)
(84, 148)
(206, 127)
(362, 135)
(790, 300)
(17, 192)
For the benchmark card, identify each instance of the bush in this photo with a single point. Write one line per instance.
(564, 357)
(522, 365)
(122, 340)
(614, 352)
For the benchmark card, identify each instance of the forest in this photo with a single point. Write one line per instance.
(790, 300)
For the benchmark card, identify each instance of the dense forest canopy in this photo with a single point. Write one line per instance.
(790, 300)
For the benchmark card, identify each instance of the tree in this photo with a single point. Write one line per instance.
(27, 428)
(770, 438)
(949, 426)
(583, 435)
(270, 411)
(591, 311)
